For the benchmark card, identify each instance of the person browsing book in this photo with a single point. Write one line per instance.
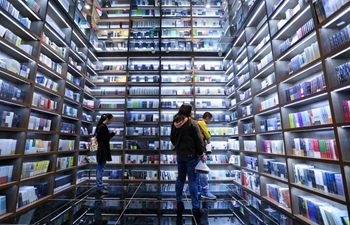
(103, 153)
(186, 137)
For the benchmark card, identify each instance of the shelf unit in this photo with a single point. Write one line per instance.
(159, 26)
(43, 81)
(283, 69)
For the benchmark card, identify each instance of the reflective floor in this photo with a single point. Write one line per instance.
(131, 204)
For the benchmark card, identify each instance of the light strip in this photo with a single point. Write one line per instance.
(10, 75)
(228, 69)
(297, 46)
(238, 38)
(301, 72)
(341, 89)
(41, 87)
(241, 54)
(12, 103)
(268, 111)
(17, 25)
(20, 53)
(256, 13)
(307, 99)
(71, 66)
(341, 52)
(64, 211)
(58, 14)
(260, 52)
(245, 84)
(337, 17)
(79, 38)
(228, 53)
(44, 111)
(78, 56)
(241, 70)
(292, 22)
(57, 36)
(93, 55)
(56, 54)
(258, 34)
(265, 91)
(29, 9)
(261, 72)
(280, 8)
(50, 71)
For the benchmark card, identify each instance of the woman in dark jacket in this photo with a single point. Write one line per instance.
(186, 137)
(103, 153)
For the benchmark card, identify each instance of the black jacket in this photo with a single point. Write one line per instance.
(103, 136)
(186, 137)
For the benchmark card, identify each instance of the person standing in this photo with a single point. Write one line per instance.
(103, 153)
(203, 178)
(186, 137)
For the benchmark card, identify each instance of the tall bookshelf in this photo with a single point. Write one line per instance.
(287, 89)
(45, 68)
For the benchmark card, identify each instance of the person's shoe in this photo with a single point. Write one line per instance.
(103, 191)
(208, 195)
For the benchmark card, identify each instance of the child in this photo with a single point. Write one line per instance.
(203, 178)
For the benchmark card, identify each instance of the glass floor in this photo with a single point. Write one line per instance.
(138, 204)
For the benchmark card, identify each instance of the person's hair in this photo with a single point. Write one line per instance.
(207, 115)
(184, 111)
(102, 119)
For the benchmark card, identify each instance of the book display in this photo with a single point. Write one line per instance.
(45, 66)
(274, 74)
(287, 84)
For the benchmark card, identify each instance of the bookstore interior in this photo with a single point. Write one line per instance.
(275, 75)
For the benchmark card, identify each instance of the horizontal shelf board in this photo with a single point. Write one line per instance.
(70, 117)
(312, 98)
(141, 122)
(14, 51)
(73, 85)
(271, 154)
(7, 20)
(143, 136)
(328, 195)
(12, 129)
(89, 82)
(8, 185)
(92, 109)
(323, 160)
(329, 22)
(33, 204)
(27, 10)
(59, 192)
(11, 102)
(13, 77)
(246, 118)
(28, 155)
(46, 90)
(277, 204)
(66, 169)
(48, 71)
(9, 157)
(270, 110)
(304, 219)
(309, 128)
(69, 134)
(279, 179)
(109, 96)
(47, 50)
(89, 122)
(39, 176)
(271, 132)
(42, 131)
